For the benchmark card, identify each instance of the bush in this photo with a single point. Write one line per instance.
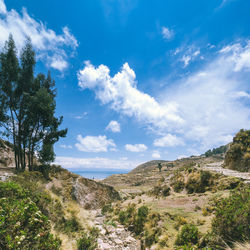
(134, 219)
(71, 225)
(22, 224)
(107, 209)
(87, 242)
(122, 217)
(197, 182)
(232, 216)
(178, 186)
(188, 234)
(238, 155)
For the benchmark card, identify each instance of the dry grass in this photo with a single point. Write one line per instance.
(240, 246)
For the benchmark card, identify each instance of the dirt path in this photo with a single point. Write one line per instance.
(217, 167)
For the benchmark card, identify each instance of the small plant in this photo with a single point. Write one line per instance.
(107, 209)
(87, 242)
(188, 234)
(71, 225)
(178, 186)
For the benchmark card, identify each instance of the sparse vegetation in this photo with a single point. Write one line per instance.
(87, 241)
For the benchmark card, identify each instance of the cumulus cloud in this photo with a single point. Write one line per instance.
(122, 94)
(167, 34)
(114, 126)
(95, 163)
(136, 147)
(168, 141)
(50, 47)
(156, 154)
(94, 144)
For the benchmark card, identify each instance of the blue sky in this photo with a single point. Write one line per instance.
(139, 80)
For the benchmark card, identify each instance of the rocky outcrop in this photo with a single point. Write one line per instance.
(88, 193)
(91, 194)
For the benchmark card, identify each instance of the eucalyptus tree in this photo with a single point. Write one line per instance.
(27, 107)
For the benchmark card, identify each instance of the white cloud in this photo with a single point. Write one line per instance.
(190, 55)
(120, 91)
(211, 99)
(50, 47)
(206, 107)
(168, 141)
(65, 146)
(94, 143)
(136, 147)
(156, 154)
(78, 117)
(114, 126)
(3, 9)
(186, 60)
(167, 34)
(95, 163)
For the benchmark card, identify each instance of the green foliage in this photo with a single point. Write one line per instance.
(134, 219)
(160, 191)
(198, 181)
(71, 225)
(232, 216)
(178, 186)
(22, 224)
(107, 209)
(188, 234)
(151, 236)
(87, 242)
(27, 107)
(238, 156)
(216, 151)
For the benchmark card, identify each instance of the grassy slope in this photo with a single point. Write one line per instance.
(177, 208)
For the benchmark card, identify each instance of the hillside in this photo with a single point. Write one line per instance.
(146, 208)
(183, 196)
(68, 205)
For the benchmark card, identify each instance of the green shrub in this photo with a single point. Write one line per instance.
(107, 209)
(166, 191)
(178, 186)
(232, 216)
(87, 242)
(134, 219)
(197, 182)
(122, 217)
(22, 224)
(238, 155)
(188, 234)
(71, 225)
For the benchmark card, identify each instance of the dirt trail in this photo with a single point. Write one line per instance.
(217, 167)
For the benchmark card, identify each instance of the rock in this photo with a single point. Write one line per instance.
(105, 246)
(118, 242)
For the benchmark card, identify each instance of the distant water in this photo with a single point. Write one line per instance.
(98, 174)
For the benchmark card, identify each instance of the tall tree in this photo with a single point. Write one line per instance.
(27, 107)
(9, 74)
